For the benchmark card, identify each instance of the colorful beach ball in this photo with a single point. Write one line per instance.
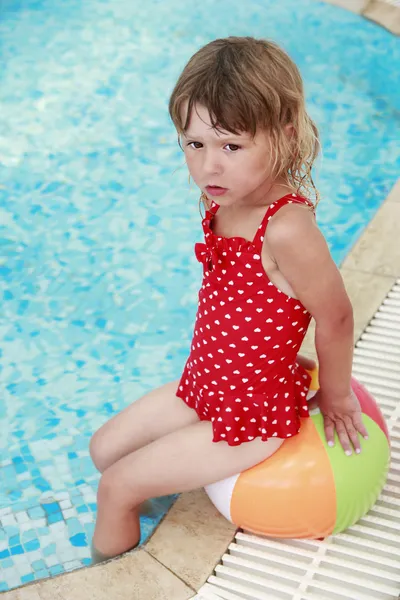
(308, 489)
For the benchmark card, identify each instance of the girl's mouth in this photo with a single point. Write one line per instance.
(216, 190)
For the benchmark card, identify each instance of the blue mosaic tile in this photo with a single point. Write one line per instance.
(36, 513)
(29, 535)
(78, 539)
(57, 569)
(74, 526)
(14, 540)
(92, 202)
(56, 518)
(11, 531)
(31, 545)
(51, 508)
(6, 563)
(42, 574)
(82, 509)
(89, 529)
(28, 578)
(49, 550)
(37, 565)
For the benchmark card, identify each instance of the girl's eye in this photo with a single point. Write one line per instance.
(198, 145)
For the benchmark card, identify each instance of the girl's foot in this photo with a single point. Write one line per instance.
(150, 508)
(99, 557)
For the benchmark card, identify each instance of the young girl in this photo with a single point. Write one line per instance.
(249, 145)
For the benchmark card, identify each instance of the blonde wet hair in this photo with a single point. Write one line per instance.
(249, 84)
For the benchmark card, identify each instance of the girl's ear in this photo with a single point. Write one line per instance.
(289, 130)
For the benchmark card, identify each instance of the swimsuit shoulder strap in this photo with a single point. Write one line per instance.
(271, 210)
(213, 208)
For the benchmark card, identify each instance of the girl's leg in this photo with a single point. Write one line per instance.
(154, 415)
(180, 461)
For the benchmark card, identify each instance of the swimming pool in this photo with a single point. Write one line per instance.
(98, 276)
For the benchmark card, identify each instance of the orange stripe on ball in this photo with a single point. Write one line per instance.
(292, 493)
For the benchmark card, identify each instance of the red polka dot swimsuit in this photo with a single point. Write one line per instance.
(241, 373)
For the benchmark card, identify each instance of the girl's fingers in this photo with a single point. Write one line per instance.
(352, 434)
(343, 437)
(329, 431)
(348, 433)
(359, 425)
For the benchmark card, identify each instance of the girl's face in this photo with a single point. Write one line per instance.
(230, 169)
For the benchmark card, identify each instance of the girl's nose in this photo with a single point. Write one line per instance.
(211, 164)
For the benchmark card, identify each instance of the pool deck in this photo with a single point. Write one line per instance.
(184, 549)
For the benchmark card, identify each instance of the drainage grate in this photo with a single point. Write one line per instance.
(364, 562)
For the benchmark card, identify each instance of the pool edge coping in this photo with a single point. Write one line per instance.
(380, 12)
(384, 14)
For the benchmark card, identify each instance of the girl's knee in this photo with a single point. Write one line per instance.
(114, 490)
(98, 451)
(109, 490)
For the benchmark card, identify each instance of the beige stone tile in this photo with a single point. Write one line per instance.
(192, 538)
(136, 576)
(394, 195)
(384, 14)
(29, 592)
(356, 6)
(366, 292)
(378, 249)
(308, 345)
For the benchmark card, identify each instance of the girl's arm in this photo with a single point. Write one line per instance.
(301, 253)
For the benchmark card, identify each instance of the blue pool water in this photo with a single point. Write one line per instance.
(98, 277)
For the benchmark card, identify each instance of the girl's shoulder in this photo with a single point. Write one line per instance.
(292, 209)
(293, 221)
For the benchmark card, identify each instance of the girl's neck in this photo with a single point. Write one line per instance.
(265, 196)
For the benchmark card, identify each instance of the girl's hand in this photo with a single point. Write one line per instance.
(344, 415)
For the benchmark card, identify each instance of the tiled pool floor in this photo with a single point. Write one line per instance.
(53, 537)
(49, 539)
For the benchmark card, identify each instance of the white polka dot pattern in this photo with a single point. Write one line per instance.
(241, 373)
